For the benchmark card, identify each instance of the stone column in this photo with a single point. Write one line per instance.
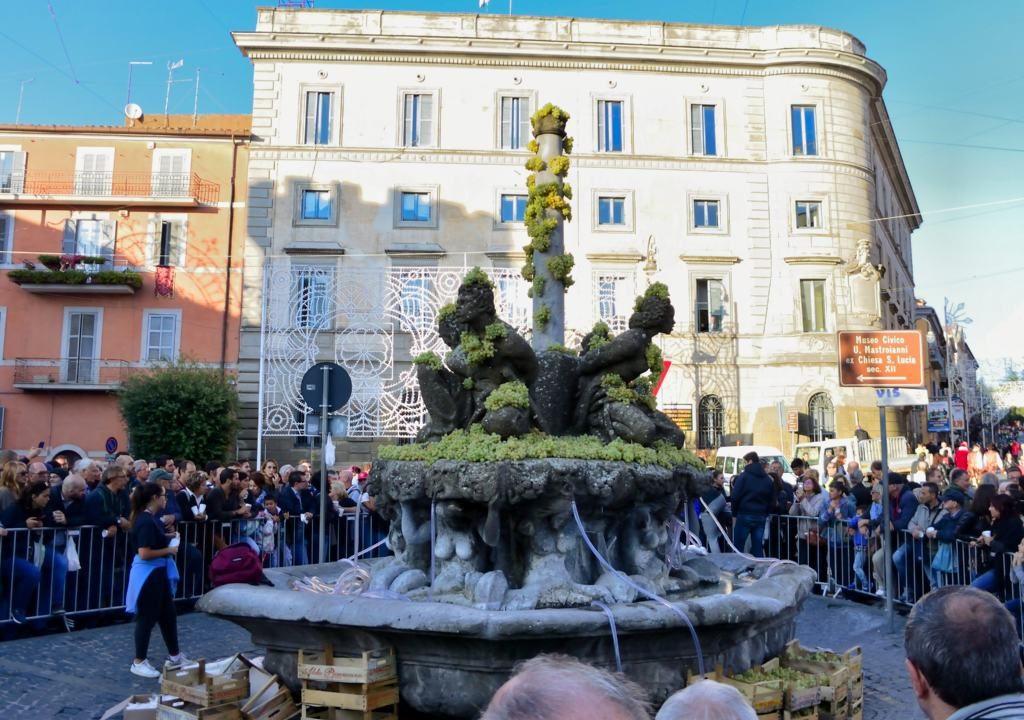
(553, 297)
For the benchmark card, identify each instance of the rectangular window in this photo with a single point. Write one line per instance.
(515, 122)
(808, 214)
(812, 302)
(319, 105)
(705, 214)
(415, 207)
(710, 305)
(611, 211)
(316, 204)
(169, 242)
(6, 237)
(702, 130)
(805, 134)
(418, 120)
(614, 299)
(311, 298)
(171, 173)
(161, 337)
(80, 363)
(12, 171)
(609, 126)
(89, 237)
(94, 171)
(513, 208)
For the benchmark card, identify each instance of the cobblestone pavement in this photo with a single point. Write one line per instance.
(79, 675)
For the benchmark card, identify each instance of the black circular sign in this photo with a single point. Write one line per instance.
(339, 386)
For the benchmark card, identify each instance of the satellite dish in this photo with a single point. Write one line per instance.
(132, 111)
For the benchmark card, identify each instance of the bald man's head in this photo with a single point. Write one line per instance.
(558, 687)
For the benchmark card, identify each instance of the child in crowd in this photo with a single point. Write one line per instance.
(860, 524)
(269, 520)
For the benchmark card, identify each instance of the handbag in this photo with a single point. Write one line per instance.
(71, 553)
(945, 559)
(814, 538)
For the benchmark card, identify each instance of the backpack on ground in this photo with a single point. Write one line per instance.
(237, 563)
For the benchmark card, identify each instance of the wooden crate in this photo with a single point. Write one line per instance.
(855, 713)
(855, 691)
(852, 660)
(351, 696)
(833, 679)
(810, 713)
(183, 710)
(277, 706)
(773, 715)
(371, 666)
(323, 713)
(834, 710)
(765, 697)
(195, 686)
(795, 698)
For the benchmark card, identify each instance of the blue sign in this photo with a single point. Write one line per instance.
(111, 445)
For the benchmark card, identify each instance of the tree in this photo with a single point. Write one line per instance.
(181, 410)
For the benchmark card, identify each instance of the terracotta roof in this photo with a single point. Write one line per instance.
(205, 126)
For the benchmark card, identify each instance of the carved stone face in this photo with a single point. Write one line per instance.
(655, 315)
(475, 305)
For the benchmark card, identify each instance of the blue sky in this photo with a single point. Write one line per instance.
(955, 95)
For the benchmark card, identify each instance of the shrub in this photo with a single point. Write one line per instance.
(446, 311)
(182, 410)
(559, 165)
(561, 269)
(430, 359)
(535, 164)
(477, 349)
(543, 316)
(476, 276)
(659, 290)
(76, 277)
(510, 394)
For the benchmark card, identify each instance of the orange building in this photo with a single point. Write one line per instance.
(120, 247)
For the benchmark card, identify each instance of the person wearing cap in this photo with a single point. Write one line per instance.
(947, 530)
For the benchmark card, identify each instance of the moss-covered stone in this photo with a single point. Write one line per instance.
(430, 359)
(511, 394)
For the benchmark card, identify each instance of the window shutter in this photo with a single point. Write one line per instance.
(70, 235)
(152, 248)
(179, 239)
(696, 130)
(525, 132)
(108, 234)
(310, 133)
(506, 122)
(407, 116)
(18, 181)
(5, 242)
(426, 120)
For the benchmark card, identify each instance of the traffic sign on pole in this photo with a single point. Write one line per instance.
(881, 359)
(335, 379)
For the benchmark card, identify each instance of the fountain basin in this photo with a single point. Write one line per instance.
(453, 658)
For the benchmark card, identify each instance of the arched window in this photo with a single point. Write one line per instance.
(823, 417)
(710, 422)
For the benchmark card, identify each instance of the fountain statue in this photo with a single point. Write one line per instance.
(542, 500)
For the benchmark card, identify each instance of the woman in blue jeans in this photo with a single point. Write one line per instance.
(21, 576)
(1006, 534)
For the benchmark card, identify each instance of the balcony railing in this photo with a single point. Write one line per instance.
(104, 185)
(69, 373)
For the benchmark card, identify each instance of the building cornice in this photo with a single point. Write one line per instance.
(813, 260)
(564, 56)
(711, 259)
(627, 256)
(580, 160)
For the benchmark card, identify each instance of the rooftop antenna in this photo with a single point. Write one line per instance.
(171, 67)
(195, 102)
(21, 94)
(131, 66)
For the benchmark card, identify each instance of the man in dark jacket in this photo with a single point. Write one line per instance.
(298, 514)
(105, 545)
(752, 497)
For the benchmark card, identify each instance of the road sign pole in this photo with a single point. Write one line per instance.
(890, 612)
(324, 489)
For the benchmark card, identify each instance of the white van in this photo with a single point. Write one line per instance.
(817, 454)
(730, 461)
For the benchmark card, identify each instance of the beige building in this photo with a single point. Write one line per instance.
(753, 170)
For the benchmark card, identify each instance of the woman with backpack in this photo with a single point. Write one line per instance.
(153, 579)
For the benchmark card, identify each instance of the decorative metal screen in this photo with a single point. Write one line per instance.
(372, 322)
(823, 417)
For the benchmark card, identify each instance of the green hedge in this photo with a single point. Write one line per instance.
(76, 277)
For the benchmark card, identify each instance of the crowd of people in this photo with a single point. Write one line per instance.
(67, 534)
(955, 520)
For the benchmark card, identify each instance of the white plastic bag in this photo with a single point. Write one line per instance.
(71, 553)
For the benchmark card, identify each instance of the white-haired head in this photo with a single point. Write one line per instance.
(707, 700)
(558, 687)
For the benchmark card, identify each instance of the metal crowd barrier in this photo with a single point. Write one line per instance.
(857, 568)
(81, 571)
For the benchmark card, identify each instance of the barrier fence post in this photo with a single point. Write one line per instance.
(890, 612)
(324, 487)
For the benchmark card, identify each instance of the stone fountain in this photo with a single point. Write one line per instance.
(530, 451)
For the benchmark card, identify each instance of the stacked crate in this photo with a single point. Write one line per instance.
(767, 697)
(199, 696)
(351, 687)
(842, 690)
